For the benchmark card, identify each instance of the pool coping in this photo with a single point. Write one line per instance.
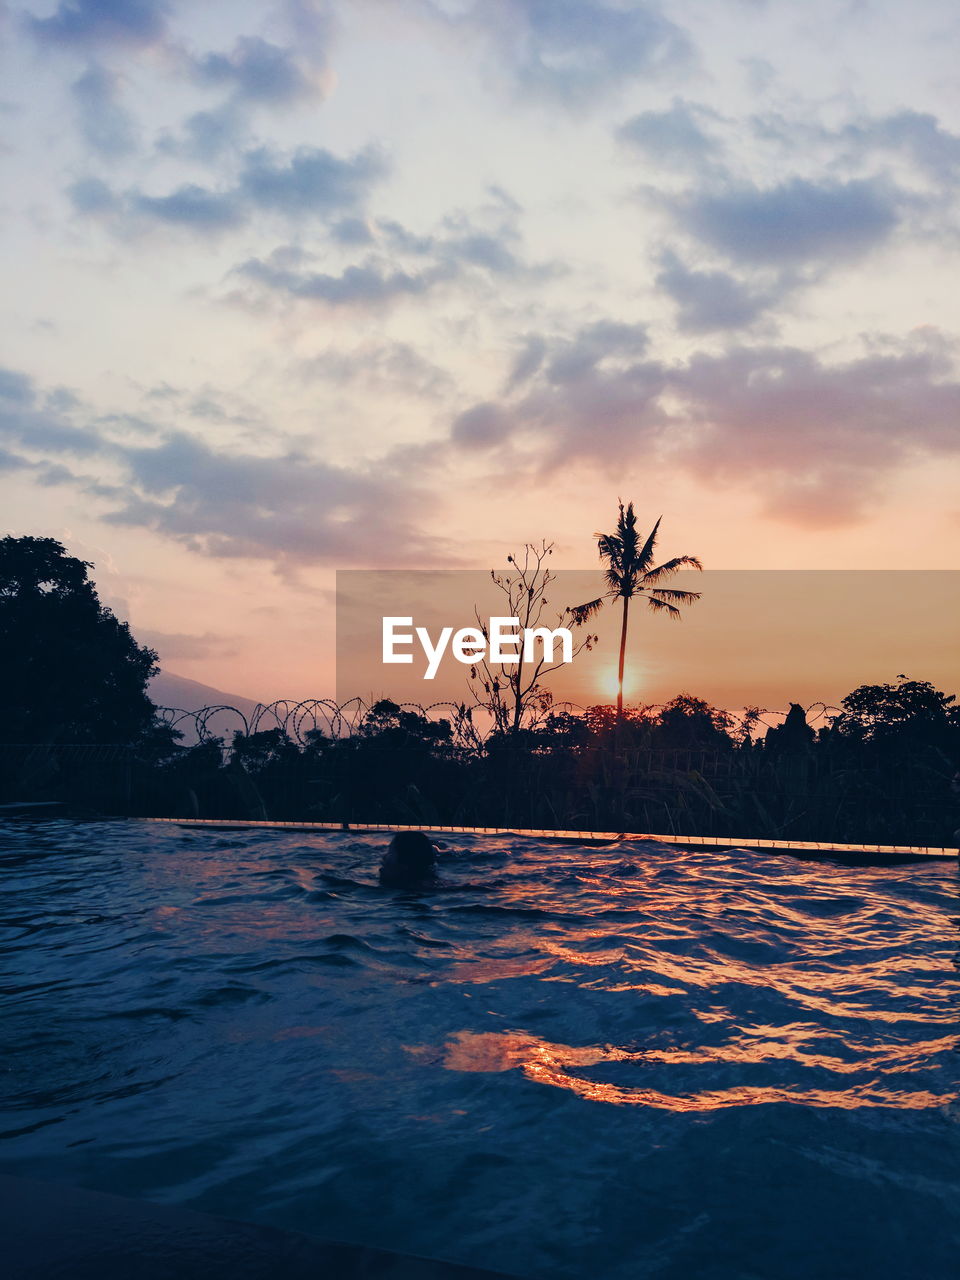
(580, 837)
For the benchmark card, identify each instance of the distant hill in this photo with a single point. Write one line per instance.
(169, 690)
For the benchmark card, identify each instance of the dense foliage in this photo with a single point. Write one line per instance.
(885, 771)
(71, 670)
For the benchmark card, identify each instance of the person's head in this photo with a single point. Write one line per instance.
(410, 859)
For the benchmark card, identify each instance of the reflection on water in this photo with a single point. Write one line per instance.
(618, 1062)
(551, 1064)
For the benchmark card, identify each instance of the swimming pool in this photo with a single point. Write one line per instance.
(617, 1062)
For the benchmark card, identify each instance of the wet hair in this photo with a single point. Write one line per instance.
(410, 859)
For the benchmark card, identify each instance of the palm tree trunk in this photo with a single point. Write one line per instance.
(623, 655)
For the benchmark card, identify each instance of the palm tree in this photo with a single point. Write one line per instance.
(631, 572)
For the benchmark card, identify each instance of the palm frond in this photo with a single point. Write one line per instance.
(627, 534)
(646, 554)
(656, 605)
(611, 549)
(670, 567)
(678, 597)
(581, 613)
(615, 580)
(609, 544)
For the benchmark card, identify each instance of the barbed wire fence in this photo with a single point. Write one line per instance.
(302, 721)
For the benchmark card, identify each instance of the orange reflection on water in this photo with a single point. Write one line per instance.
(816, 989)
(494, 968)
(553, 1064)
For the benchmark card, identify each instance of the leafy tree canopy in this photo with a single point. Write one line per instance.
(71, 670)
(687, 721)
(391, 725)
(910, 708)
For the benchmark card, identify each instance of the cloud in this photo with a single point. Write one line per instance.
(824, 435)
(11, 461)
(484, 425)
(352, 232)
(788, 233)
(576, 359)
(255, 73)
(311, 22)
(593, 395)
(188, 206)
(309, 183)
(795, 223)
(368, 284)
(206, 135)
(817, 440)
(403, 264)
(106, 126)
(312, 180)
(39, 423)
(527, 361)
(674, 137)
(914, 136)
(178, 644)
(489, 238)
(16, 389)
(92, 197)
(261, 73)
(391, 366)
(84, 23)
(287, 506)
(570, 49)
(713, 300)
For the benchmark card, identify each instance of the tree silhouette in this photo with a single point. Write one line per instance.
(513, 692)
(630, 572)
(72, 672)
(687, 721)
(908, 711)
(794, 736)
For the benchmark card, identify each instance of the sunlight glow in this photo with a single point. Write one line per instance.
(606, 680)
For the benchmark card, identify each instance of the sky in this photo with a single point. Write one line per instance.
(405, 284)
(759, 638)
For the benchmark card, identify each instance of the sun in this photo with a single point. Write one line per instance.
(606, 682)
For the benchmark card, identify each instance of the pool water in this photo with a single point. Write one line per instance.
(571, 1062)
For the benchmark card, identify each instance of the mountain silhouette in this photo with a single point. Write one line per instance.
(170, 690)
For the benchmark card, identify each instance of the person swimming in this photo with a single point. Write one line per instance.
(410, 862)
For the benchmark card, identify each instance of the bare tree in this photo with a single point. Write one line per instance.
(514, 693)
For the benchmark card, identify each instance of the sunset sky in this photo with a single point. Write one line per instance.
(757, 637)
(392, 284)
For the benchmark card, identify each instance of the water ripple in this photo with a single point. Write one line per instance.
(584, 1061)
